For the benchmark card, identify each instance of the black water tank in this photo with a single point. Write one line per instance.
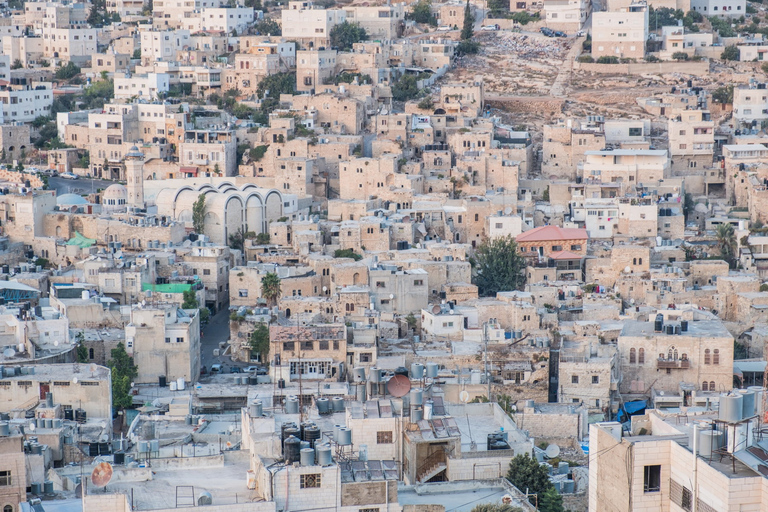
(119, 458)
(312, 435)
(291, 449)
(658, 325)
(684, 325)
(104, 449)
(670, 329)
(69, 414)
(80, 415)
(161, 381)
(401, 370)
(93, 449)
(285, 426)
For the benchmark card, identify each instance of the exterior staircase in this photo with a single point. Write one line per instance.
(432, 472)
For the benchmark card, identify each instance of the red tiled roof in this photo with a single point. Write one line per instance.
(565, 255)
(549, 233)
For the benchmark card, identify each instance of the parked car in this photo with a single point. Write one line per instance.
(69, 176)
(547, 32)
(257, 370)
(489, 28)
(235, 369)
(559, 33)
(216, 368)
(203, 370)
(444, 28)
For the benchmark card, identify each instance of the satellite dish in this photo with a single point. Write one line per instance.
(435, 309)
(507, 210)
(398, 386)
(325, 288)
(627, 270)
(102, 474)
(32, 426)
(464, 396)
(93, 368)
(56, 343)
(552, 451)
(74, 381)
(9, 352)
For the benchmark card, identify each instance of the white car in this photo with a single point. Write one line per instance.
(488, 28)
(69, 176)
(444, 28)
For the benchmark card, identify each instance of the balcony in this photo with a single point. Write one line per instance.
(668, 364)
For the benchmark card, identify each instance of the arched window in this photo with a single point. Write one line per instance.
(705, 386)
(706, 357)
(711, 385)
(716, 357)
(634, 261)
(90, 353)
(8, 508)
(685, 357)
(641, 356)
(632, 356)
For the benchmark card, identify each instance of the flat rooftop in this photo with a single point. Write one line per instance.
(696, 329)
(459, 497)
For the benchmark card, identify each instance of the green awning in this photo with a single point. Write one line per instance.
(81, 241)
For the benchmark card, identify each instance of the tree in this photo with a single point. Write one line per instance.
(726, 241)
(678, 56)
(347, 253)
(82, 350)
(17, 64)
(270, 288)
(421, 12)
(238, 238)
(551, 501)
(526, 473)
(262, 238)
(198, 215)
(268, 27)
(723, 94)
(67, 71)
(730, 53)
(427, 103)
(259, 342)
(496, 507)
(498, 8)
(344, 35)
(406, 88)
(189, 299)
(124, 371)
(467, 47)
(499, 267)
(273, 86)
(468, 30)
(764, 67)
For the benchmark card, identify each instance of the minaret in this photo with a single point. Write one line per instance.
(134, 176)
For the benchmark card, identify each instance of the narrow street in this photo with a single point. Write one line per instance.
(216, 331)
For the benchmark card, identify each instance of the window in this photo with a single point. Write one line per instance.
(595, 379)
(206, 271)
(5, 478)
(687, 497)
(632, 356)
(242, 292)
(383, 437)
(179, 340)
(641, 356)
(574, 379)
(707, 359)
(652, 478)
(307, 345)
(311, 481)
(323, 345)
(576, 247)
(716, 357)
(635, 132)
(288, 345)
(705, 386)
(711, 385)
(418, 282)
(167, 340)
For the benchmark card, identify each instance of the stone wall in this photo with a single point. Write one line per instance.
(689, 68)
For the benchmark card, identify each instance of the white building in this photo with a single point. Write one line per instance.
(226, 19)
(23, 103)
(622, 33)
(750, 103)
(722, 8)
(149, 86)
(70, 44)
(162, 45)
(304, 23)
(568, 15)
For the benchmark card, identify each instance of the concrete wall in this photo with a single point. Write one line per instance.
(690, 68)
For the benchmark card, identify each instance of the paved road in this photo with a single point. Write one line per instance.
(216, 331)
(78, 186)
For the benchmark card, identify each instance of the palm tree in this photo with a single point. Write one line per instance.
(270, 288)
(726, 240)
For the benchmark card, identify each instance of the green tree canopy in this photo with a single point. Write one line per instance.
(67, 71)
(347, 253)
(406, 88)
(730, 53)
(499, 267)
(259, 342)
(468, 30)
(268, 27)
(421, 12)
(344, 35)
(198, 214)
(270, 288)
(526, 473)
(273, 86)
(189, 299)
(124, 371)
(551, 501)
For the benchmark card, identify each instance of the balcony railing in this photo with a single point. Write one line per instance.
(664, 364)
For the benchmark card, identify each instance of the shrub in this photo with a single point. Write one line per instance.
(586, 58)
(608, 59)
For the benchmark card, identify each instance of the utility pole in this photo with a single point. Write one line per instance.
(487, 373)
